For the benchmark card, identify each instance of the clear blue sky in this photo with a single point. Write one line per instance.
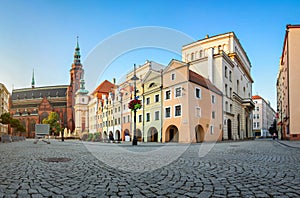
(41, 34)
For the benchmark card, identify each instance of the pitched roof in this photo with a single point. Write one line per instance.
(204, 82)
(104, 87)
(256, 97)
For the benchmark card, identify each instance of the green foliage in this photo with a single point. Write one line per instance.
(53, 121)
(5, 118)
(90, 137)
(14, 123)
(97, 137)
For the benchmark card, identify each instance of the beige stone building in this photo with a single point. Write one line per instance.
(223, 60)
(263, 117)
(288, 83)
(4, 106)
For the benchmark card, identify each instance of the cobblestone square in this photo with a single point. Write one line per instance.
(260, 168)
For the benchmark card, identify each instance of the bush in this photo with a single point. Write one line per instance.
(90, 137)
(97, 137)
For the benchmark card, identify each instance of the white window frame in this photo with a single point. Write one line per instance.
(175, 110)
(148, 101)
(200, 93)
(213, 99)
(173, 76)
(166, 94)
(180, 92)
(165, 115)
(155, 98)
(196, 112)
(148, 115)
(211, 129)
(155, 115)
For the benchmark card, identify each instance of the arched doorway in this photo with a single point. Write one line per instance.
(126, 135)
(138, 135)
(118, 136)
(152, 135)
(111, 136)
(199, 133)
(229, 130)
(238, 126)
(172, 134)
(105, 135)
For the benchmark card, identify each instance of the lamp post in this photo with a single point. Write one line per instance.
(134, 78)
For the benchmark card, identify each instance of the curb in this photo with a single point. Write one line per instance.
(286, 144)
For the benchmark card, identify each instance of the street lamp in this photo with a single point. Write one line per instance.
(134, 78)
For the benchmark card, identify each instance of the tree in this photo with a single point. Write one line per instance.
(5, 118)
(53, 121)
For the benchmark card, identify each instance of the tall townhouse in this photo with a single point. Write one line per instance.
(93, 107)
(101, 94)
(263, 116)
(141, 73)
(288, 83)
(152, 111)
(192, 106)
(223, 61)
(4, 106)
(81, 110)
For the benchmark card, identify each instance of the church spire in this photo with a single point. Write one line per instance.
(32, 80)
(77, 53)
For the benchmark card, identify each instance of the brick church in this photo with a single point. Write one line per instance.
(31, 105)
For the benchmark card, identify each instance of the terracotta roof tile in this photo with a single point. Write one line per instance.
(200, 80)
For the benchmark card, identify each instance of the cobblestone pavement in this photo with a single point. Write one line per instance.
(230, 169)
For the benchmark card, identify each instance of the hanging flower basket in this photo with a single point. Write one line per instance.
(134, 105)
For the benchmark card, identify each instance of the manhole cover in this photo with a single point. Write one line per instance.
(56, 159)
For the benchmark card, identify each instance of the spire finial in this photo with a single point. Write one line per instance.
(77, 52)
(32, 80)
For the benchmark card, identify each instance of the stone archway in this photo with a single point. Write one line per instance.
(105, 135)
(138, 135)
(199, 133)
(118, 135)
(152, 135)
(172, 134)
(111, 135)
(229, 129)
(126, 135)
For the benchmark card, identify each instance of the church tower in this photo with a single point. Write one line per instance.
(76, 74)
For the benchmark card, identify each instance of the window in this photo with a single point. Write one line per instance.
(201, 53)
(257, 108)
(230, 108)
(254, 124)
(124, 119)
(225, 72)
(168, 112)
(257, 124)
(230, 76)
(124, 107)
(198, 93)
(257, 116)
(147, 101)
(178, 110)
(178, 92)
(147, 117)
(254, 116)
(140, 118)
(230, 92)
(168, 94)
(192, 56)
(119, 120)
(226, 93)
(198, 112)
(119, 109)
(211, 129)
(173, 76)
(213, 99)
(82, 99)
(156, 98)
(128, 118)
(156, 115)
(226, 106)
(213, 114)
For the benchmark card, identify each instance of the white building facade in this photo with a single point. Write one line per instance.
(263, 117)
(224, 62)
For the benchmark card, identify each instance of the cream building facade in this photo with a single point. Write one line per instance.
(263, 117)
(224, 62)
(192, 106)
(4, 106)
(288, 83)
(81, 110)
